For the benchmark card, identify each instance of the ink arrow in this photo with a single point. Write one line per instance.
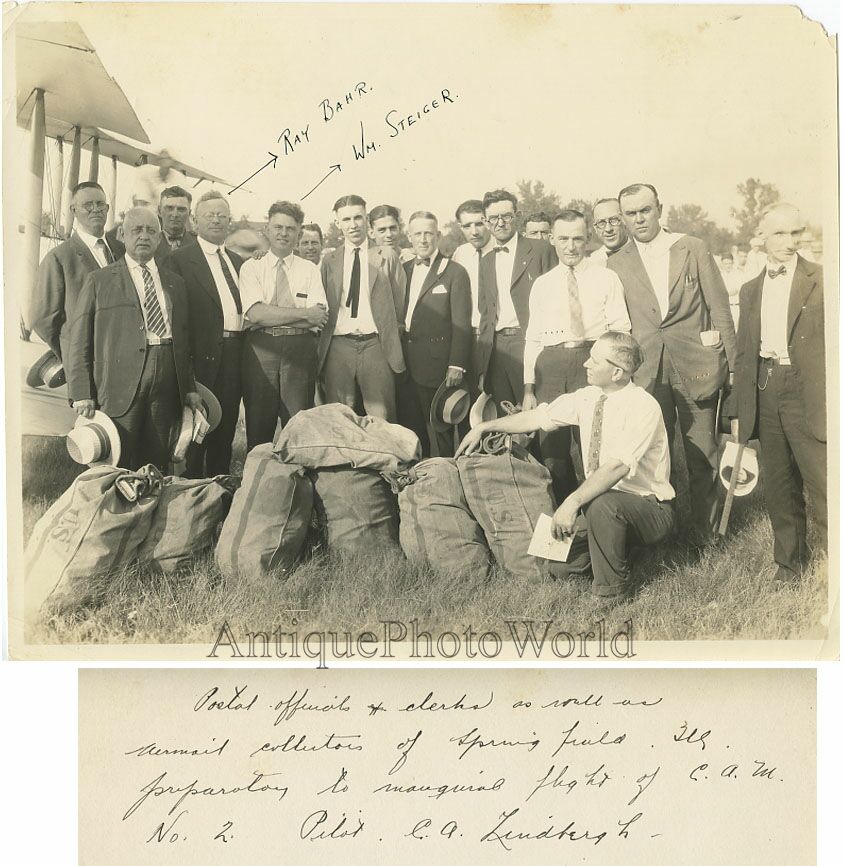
(273, 161)
(333, 169)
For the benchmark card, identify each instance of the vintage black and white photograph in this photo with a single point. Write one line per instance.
(345, 331)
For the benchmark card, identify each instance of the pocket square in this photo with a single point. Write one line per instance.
(439, 290)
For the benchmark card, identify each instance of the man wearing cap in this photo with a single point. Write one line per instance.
(63, 270)
(680, 312)
(360, 347)
(284, 300)
(570, 307)
(610, 228)
(626, 498)
(210, 273)
(129, 347)
(174, 213)
(436, 335)
(506, 278)
(779, 391)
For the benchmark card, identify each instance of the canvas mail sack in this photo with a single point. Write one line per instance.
(94, 528)
(437, 528)
(358, 510)
(333, 435)
(269, 517)
(506, 493)
(188, 514)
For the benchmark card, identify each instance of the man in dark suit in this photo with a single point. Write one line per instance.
(779, 392)
(505, 280)
(359, 346)
(438, 330)
(174, 214)
(210, 273)
(680, 313)
(129, 347)
(63, 270)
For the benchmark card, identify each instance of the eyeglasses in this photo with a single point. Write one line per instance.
(505, 218)
(91, 206)
(612, 221)
(222, 217)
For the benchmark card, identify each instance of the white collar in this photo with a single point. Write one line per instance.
(790, 267)
(350, 248)
(274, 260)
(131, 263)
(208, 248)
(88, 239)
(660, 244)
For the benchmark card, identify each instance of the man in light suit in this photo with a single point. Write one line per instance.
(210, 273)
(779, 392)
(680, 313)
(129, 347)
(505, 277)
(437, 337)
(63, 270)
(359, 346)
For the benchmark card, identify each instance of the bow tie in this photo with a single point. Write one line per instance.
(426, 262)
(501, 249)
(773, 273)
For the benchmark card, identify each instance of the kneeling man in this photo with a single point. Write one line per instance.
(626, 498)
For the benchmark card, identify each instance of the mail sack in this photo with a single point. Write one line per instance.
(333, 435)
(437, 528)
(188, 514)
(357, 509)
(506, 493)
(95, 528)
(268, 520)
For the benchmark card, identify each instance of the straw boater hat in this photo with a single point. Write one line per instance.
(94, 441)
(449, 407)
(484, 409)
(47, 370)
(748, 463)
(182, 433)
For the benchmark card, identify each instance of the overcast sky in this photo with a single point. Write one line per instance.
(692, 99)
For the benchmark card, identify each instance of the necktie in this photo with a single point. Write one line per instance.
(102, 246)
(773, 273)
(595, 438)
(230, 281)
(575, 308)
(155, 318)
(502, 249)
(283, 296)
(426, 262)
(174, 243)
(354, 285)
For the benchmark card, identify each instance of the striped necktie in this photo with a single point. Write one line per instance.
(595, 438)
(576, 325)
(155, 318)
(230, 281)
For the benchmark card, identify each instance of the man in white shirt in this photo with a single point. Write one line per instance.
(62, 271)
(779, 394)
(626, 498)
(571, 306)
(680, 313)
(129, 347)
(360, 348)
(610, 228)
(284, 301)
(210, 272)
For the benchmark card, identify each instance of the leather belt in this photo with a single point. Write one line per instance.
(228, 335)
(358, 336)
(284, 331)
(572, 344)
(775, 362)
(509, 332)
(159, 341)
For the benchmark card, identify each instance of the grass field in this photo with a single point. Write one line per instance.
(725, 593)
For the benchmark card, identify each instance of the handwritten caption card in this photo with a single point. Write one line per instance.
(450, 767)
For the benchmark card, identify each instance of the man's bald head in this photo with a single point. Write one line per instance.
(781, 228)
(141, 233)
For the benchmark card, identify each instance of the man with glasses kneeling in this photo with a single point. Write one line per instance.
(626, 498)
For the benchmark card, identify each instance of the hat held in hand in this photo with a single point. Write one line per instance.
(748, 469)
(94, 441)
(449, 407)
(47, 370)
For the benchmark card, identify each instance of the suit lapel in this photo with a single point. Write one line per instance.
(677, 257)
(754, 313)
(524, 254)
(129, 286)
(431, 279)
(336, 274)
(85, 253)
(634, 267)
(205, 278)
(375, 262)
(802, 286)
(169, 290)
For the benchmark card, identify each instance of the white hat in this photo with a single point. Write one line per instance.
(94, 440)
(749, 469)
(483, 409)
